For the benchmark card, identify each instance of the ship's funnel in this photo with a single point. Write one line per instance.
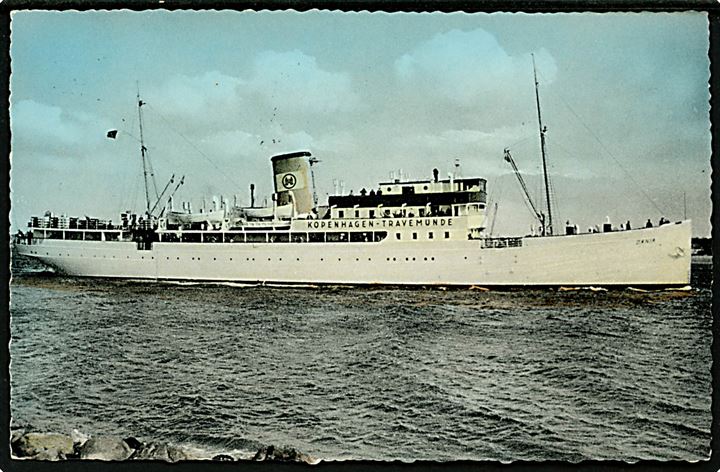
(291, 172)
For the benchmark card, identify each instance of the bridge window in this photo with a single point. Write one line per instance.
(341, 214)
(397, 235)
(414, 235)
(357, 213)
(430, 235)
(371, 213)
(447, 234)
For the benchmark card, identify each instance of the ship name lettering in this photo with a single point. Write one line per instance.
(644, 241)
(386, 223)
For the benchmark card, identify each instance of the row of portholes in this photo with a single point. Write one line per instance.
(94, 255)
(252, 259)
(410, 259)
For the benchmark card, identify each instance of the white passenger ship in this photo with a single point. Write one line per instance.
(425, 232)
(422, 232)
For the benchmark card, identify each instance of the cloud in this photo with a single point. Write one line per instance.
(197, 96)
(294, 80)
(52, 130)
(469, 67)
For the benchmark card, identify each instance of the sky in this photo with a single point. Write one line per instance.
(624, 97)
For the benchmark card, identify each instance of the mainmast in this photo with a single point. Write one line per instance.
(549, 228)
(143, 150)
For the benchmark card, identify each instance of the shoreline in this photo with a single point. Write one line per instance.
(27, 444)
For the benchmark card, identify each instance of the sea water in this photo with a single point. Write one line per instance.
(367, 373)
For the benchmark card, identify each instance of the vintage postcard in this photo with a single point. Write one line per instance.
(324, 235)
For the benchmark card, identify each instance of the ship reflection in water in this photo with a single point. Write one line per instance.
(342, 373)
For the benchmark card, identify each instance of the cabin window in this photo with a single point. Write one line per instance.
(457, 210)
(341, 214)
(336, 237)
(317, 237)
(447, 234)
(397, 235)
(360, 237)
(414, 235)
(380, 235)
(389, 189)
(425, 187)
(357, 213)
(281, 237)
(430, 235)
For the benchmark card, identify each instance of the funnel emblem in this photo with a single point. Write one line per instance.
(289, 181)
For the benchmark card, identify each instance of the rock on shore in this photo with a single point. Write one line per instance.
(54, 447)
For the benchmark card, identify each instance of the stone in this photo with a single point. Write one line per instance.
(105, 448)
(162, 452)
(79, 438)
(282, 454)
(133, 443)
(15, 437)
(49, 455)
(152, 451)
(176, 453)
(32, 444)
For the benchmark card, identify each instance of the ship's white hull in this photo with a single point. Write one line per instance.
(655, 256)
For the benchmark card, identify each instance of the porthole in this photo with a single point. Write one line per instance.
(432, 258)
(178, 258)
(357, 259)
(424, 258)
(214, 258)
(394, 259)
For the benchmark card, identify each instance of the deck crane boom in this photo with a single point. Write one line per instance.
(540, 217)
